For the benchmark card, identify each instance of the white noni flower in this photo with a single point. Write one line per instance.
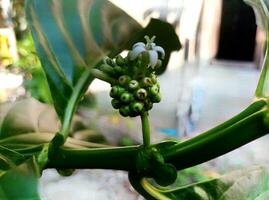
(151, 48)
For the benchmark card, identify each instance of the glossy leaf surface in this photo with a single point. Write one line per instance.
(72, 36)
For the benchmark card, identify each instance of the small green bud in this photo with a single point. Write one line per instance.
(141, 94)
(146, 82)
(137, 107)
(125, 111)
(110, 62)
(148, 105)
(164, 174)
(124, 80)
(154, 90)
(153, 78)
(107, 69)
(133, 85)
(115, 103)
(65, 172)
(116, 91)
(117, 70)
(120, 60)
(156, 98)
(126, 97)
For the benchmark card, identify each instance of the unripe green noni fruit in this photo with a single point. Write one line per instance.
(126, 97)
(133, 85)
(116, 91)
(125, 111)
(141, 94)
(156, 98)
(137, 107)
(146, 82)
(154, 90)
(124, 80)
(115, 103)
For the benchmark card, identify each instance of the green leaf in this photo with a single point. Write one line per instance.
(9, 159)
(72, 36)
(249, 184)
(20, 182)
(262, 17)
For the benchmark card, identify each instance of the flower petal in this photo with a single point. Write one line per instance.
(138, 44)
(160, 50)
(136, 51)
(153, 58)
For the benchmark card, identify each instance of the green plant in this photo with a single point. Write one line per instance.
(85, 43)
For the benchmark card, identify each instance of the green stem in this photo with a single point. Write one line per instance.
(225, 138)
(72, 104)
(120, 158)
(102, 76)
(60, 137)
(145, 129)
(262, 90)
(249, 125)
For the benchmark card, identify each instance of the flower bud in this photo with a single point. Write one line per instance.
(107, 69)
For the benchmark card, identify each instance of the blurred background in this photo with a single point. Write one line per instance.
(212, 78)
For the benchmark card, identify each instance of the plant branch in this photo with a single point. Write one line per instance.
(242, 129)
(102, 76)
(119, 158)
(249, 125)
(60, 137)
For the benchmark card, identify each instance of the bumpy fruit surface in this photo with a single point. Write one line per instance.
(136, 87)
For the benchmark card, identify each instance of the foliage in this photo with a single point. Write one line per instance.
(35, 136)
